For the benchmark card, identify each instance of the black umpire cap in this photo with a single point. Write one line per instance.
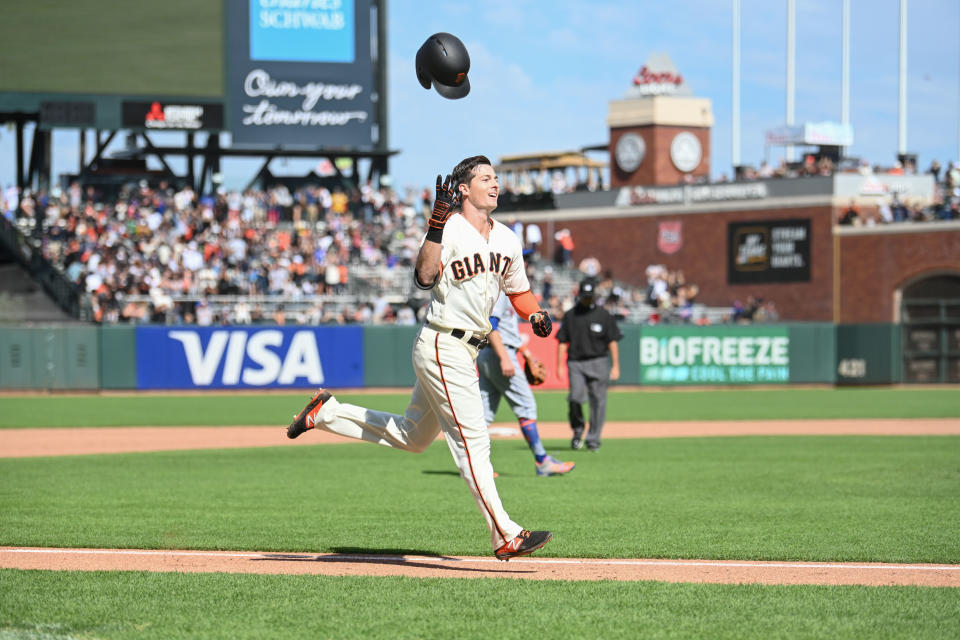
(588, 289)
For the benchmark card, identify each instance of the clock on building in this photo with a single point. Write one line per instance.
(685, 151)
(629, 152)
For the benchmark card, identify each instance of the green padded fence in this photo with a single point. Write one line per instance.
(868, 354)
(813, 348)
(386, 356)
(118, 357)
(50, 357)
(94, 357)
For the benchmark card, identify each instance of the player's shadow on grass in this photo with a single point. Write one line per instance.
(455, 474)
(354, 555)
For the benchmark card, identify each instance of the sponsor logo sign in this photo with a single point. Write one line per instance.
(652, 83)
(690, 194)
(302, 30)
(670, 237)
(768, 251)
(811, 133)
(658, 77)
(166, 115)
(721, 355)
(254, 358)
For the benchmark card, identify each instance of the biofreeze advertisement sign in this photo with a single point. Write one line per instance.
(249, 357)
(714, 355)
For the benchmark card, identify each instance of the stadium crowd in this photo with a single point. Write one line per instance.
(164, 243)
(160, 254)
(885, 209)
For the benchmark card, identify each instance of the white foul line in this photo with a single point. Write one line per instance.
(267, 555)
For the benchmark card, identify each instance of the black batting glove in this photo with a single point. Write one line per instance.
(541, 323)
(445, 202)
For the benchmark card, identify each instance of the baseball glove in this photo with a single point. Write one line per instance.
(535, 370)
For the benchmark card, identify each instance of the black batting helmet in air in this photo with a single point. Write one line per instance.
(444, 62)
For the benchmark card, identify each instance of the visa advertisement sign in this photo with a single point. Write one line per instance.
(249, 357)
(715, 355)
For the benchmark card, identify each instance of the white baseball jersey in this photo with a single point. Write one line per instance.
(473, 272)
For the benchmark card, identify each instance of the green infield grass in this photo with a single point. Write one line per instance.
(61, 605)
(842, 498)
(890, 499)
(623, 404)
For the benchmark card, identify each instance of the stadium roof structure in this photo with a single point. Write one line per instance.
(549, 160)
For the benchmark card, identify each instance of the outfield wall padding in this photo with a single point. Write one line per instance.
(118, 357)
(387, 356)
(868, 354)
(50, 357)
(293, 357)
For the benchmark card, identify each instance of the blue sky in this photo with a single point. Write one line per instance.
(543, 74)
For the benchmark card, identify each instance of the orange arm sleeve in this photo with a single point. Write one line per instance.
(524, 303)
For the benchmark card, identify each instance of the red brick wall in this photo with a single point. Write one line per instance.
(629, 245)
(657, 167)
(874, 266)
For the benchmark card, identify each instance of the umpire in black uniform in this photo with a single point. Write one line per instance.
(585, 339)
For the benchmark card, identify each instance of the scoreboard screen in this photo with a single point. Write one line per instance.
(273, 73)
(124, 47)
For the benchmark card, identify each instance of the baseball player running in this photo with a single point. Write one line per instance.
(465, 260)
(502, 375)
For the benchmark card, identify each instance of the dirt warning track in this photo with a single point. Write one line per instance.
(16, 443)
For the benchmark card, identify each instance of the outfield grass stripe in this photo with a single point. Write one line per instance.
(676, 570)
(234, 408)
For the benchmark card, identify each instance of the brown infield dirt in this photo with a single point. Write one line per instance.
(55, 442)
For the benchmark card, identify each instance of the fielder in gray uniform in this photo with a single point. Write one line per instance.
(501, 376)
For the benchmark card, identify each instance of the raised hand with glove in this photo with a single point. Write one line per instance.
(446, 200)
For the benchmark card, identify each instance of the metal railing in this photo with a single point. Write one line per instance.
(28, 252)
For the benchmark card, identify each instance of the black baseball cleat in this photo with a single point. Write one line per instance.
(577, 441)
(306, 419)
(524, 544)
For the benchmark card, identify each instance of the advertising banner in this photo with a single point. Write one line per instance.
(299, 73)
(715, 355)
(249, 357)
(768, 251)
(160, 115)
